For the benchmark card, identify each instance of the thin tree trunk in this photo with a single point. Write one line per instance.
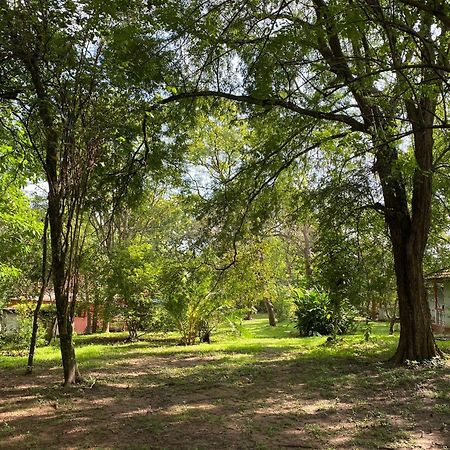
(44, 283)
(71, 373)
(95, 316)
(51, 331)
(105, 327)
(88, 306)
(270, 312)
(55, 211)
(307, 253)
(373, 309)
(106, 316)
(89, 319)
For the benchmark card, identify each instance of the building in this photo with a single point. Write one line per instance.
(438, 291)
(9, 316)
(9, 320)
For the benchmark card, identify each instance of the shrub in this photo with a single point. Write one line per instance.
(315, 314)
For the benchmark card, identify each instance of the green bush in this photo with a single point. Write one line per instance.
(315, 314)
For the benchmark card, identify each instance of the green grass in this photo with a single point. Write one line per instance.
(256, 337)
(264, 388)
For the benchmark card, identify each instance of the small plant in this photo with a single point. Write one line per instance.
(367, 330)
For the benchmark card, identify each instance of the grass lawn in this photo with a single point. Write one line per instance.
(265, 389)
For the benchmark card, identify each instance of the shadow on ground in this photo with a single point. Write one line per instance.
(265, 399)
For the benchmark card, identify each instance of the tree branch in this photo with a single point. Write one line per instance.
(353, 123)
(437, 10)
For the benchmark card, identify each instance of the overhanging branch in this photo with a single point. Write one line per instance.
(354, 124)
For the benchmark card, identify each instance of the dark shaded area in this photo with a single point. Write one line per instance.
(256, 398)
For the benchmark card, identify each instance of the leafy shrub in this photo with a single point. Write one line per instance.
(144, 313)
(312, 312)
(315, 314)
(185, 291)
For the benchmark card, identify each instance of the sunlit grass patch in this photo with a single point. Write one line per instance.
(266, 387)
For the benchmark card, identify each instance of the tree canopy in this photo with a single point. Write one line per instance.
(203, 158)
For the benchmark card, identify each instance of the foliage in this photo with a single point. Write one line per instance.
(284, 306)
(186, 289)
(20, 230)
(299, 148)
(20, 338)
(315, 314)
(356, 76)
(131, 283)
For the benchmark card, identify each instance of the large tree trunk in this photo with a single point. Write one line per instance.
(416, 341)
(409, 234)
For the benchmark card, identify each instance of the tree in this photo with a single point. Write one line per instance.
(20, 227)
(55, 50)
(376, 71)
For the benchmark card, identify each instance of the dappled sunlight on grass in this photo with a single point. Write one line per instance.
(264, 389)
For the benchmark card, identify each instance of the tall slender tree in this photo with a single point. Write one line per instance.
(56, 51)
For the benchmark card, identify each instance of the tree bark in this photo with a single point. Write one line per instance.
(89, 320)
(44, 284)
(306, 231)
(271, 313)
(373, 309)
(65, 328)
(106, 315)
(416, 341)
(409, 234)
(95, 316)
(105, 327)
(51, 331)
(88, 329)
(70, 367)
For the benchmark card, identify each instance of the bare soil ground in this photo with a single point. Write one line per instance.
(265, 398)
